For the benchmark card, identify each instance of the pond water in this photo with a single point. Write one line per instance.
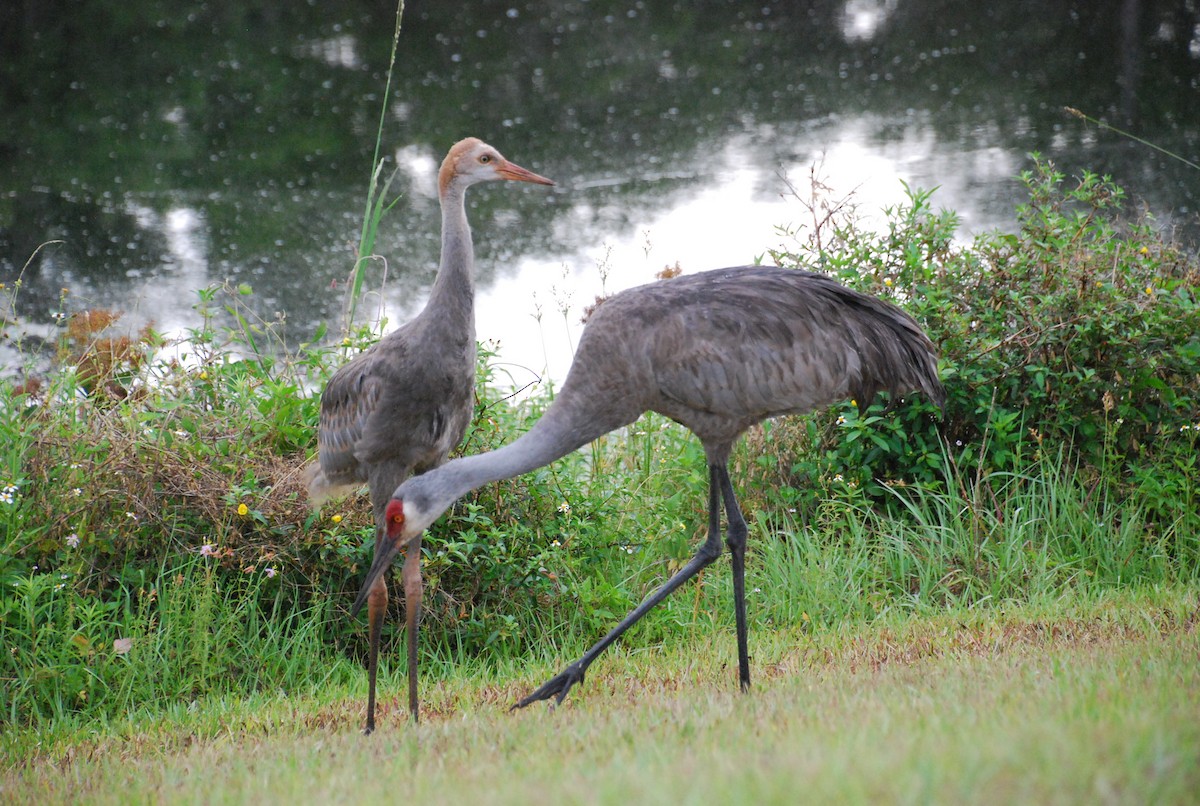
(162, 151)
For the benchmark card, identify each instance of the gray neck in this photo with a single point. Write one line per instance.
(559, 431)
(453, 293)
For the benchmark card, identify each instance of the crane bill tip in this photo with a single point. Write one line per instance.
(516, 173)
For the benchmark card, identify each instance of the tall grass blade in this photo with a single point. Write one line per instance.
(376, 194)
(1076, 113)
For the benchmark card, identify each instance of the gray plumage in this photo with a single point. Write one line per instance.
(717, 352)
(400, 407)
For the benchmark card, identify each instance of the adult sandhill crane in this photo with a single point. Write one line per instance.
(717, 352)
(400, 407)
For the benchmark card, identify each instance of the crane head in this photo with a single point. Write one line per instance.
(394, 537)
(473, 160)
(393, 516)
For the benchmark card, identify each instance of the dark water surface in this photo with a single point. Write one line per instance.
(171, 146)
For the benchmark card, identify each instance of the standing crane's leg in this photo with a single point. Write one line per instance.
(413, 592)
(559, 685)
(735, 538)
(377, 601)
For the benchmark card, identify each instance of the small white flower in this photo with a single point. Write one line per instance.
(564, 508)
(208, 550)
(78, 491)
(131, 516)
(73, 540)
(270, 572)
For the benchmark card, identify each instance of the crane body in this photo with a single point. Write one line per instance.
(717, 352)
(400, 407)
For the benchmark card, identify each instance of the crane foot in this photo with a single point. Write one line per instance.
(556, 687)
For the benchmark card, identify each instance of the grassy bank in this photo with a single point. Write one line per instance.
(942, 606)
(1057, 701)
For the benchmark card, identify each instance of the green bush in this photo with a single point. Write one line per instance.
(1081, 329)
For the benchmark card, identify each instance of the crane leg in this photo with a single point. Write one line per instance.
(709, 551)
(414, 588)
(735, 538)
(377, 601)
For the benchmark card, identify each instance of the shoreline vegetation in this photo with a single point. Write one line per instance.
(1028, 562)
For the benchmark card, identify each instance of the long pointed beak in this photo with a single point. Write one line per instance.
(382, 563)
(516, 173)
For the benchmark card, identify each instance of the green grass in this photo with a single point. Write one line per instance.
(1063, 701)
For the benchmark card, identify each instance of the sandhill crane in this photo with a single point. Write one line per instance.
(401, 406)
(717, 352)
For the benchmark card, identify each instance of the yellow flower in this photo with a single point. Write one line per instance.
(1149, 289)
(887, 281)
(243, 510)
(336, 519)
(1144, 250)
(204, 375)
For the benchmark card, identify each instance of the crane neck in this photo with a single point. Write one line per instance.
(566, 426)
(550, 438)
(453, 292)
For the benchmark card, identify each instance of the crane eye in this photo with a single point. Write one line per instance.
(394, 513)
(486, 158)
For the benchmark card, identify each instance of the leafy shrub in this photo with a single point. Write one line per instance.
(1081, 329)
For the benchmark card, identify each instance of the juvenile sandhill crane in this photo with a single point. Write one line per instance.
(716, 352)
(400, 407)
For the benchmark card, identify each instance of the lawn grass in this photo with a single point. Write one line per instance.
(1065, 700)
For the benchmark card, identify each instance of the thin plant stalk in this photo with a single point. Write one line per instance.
(1076, 113)
(376, 204)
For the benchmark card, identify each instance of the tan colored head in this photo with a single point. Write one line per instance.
(472, 160)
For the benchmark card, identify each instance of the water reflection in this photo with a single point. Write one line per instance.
(731, 218)
(862, 19)
(233, 141)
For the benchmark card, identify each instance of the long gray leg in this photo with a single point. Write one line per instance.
(559, 685)
(735, 538)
